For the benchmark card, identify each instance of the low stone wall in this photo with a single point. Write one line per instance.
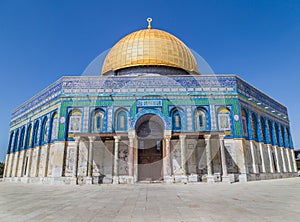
(129, 180)
(269, 176)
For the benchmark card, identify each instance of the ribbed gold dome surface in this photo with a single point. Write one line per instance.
(149, 47)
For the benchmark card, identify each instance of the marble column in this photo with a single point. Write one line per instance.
(131, 157)
(288, 159)
(277, 159)
(168, 156)
(210, 176)
(38, 160)
(89, 179)
(283, 159)
(76, 153)
(5, 165)
(183, 153)
(254, 165)
(45, 173)
(262, 155)
(225, 177)
(270, 158)
(28, 171)
(116, 160)
(183, 176)
(12, 164)
(294, 160)
(17, 164)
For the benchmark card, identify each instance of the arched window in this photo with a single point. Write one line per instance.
(75, 117)
(288, 138)
(277, 129)
(200, 120)
(97, 123)
(244, 123)
(224, 118)
(54, 126)
(283, 137)
(271, 135)
(9, 149)
(35, 134)
(44, 133)
(176, 119)
(263, 129)
(28, 136)
(21, 143)
(121, 121)
(254, 126)
(16, 141)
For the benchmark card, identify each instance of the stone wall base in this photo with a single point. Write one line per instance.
(131, 180)
(265, 176)
(42, 180)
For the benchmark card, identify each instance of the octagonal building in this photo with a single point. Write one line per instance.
(150, 115)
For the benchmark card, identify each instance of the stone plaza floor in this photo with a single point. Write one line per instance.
(271, 200)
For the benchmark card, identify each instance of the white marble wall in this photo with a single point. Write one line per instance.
(240, 158)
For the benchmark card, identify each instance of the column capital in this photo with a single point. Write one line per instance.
(182, 136)
(117, 138)
(76, 138)
(207, 136)
(131, 134)
(167, 137)
(167, 133)
(222, 136)
(92, 138)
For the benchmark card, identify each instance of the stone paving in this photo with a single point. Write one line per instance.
(272, 200)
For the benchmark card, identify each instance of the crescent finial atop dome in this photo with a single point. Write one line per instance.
(149, 20)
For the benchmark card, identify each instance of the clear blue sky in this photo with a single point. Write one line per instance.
(40, 41)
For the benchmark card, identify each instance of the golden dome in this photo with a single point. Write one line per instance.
(149, 47)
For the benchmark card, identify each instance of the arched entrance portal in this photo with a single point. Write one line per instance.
(149, 130)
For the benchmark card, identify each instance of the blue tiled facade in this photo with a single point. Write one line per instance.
(158, 95)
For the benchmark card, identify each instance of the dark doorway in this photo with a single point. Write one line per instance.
(150, 160)
(150, 155)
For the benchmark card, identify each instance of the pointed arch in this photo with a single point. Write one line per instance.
(34, 140)
(244, 120)
(176, 115)
(10, 144)
(121, 120)
(16, 139)
(201, 119)
(53, 127)
(28, 136)
(44, 131)
(21, 142)
(97, 118)
(263, 129)
(282, 130)
(254, 126)
(223, 114)
(271, 132)
(278, 136)
(287, 137)
(74, 121)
